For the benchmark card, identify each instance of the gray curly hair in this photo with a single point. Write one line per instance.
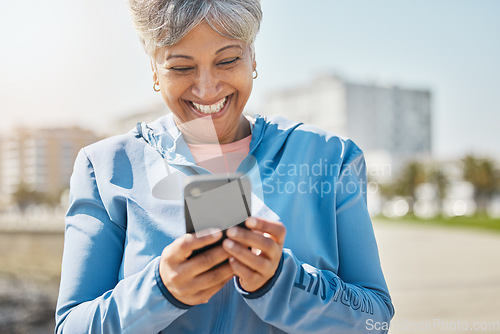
(162, 23)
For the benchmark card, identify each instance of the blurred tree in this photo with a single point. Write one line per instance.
(411, 176)
(24, 197)
(438, 178)
(387, 190)
(485, 178)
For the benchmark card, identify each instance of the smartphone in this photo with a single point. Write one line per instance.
(216, 200)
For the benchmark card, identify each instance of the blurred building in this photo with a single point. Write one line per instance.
(390, 123)
(39, 160)
(128, 122)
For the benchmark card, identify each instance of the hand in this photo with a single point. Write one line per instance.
(194, 281)
(255, 254)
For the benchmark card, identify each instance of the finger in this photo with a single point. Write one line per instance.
(205, 261)
(184, 246)
(247, 257)
(275, 229)
(213, 278)
(245, 274)
(253, 239)
(189, 290)
(202, 297)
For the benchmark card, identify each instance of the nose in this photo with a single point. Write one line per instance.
(207, 86)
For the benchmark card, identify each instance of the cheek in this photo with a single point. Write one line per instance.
(172, 91)
(246, 86)
(242, 78)
(172, 100)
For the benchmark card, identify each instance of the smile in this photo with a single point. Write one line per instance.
(212, 108)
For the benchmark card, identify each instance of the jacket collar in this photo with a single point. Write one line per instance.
(166, 138)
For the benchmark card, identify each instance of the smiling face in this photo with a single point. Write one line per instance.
(207, 75)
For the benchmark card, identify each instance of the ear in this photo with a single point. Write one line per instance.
(254, 64)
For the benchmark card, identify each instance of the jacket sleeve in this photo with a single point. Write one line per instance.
(302, 298)
(91, 297)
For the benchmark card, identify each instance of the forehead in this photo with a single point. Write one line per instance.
(201, 40)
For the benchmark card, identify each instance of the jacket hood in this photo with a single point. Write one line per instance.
(166, 138)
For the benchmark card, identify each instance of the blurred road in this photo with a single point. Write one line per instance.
(442, 280)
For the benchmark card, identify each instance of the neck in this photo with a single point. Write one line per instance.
(199, 132)
(242, 131)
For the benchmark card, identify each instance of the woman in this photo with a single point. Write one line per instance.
(127, 265)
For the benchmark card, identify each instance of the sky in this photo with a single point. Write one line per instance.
(80, 62)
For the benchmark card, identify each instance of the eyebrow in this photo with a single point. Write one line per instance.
(217, 52)
(228, 47)
(179, 56)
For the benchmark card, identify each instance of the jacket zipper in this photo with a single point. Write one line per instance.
(221, 316)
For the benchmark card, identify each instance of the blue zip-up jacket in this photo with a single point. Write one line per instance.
(329, 279)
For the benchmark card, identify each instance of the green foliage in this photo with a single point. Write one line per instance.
(479, 221)
(24, 197)
(484, 176)
(482, 173)
(437, 177)
(411, 176)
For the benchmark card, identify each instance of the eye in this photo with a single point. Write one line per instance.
(229, 61)
(181, 69)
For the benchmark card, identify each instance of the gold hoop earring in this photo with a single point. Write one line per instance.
(255, 74)
(154, 86)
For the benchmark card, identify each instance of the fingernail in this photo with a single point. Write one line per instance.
(232, 232)
(212, 232)
(251, 222)
(229, 243)
(216, 232)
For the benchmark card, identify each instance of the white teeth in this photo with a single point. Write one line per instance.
(210, 109)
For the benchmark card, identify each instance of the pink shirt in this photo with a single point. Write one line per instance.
(221, 158)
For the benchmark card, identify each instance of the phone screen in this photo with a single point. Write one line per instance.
(219, 201)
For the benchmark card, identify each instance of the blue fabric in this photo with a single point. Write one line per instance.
(264, 289)
(167, 293)
(329, 279)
